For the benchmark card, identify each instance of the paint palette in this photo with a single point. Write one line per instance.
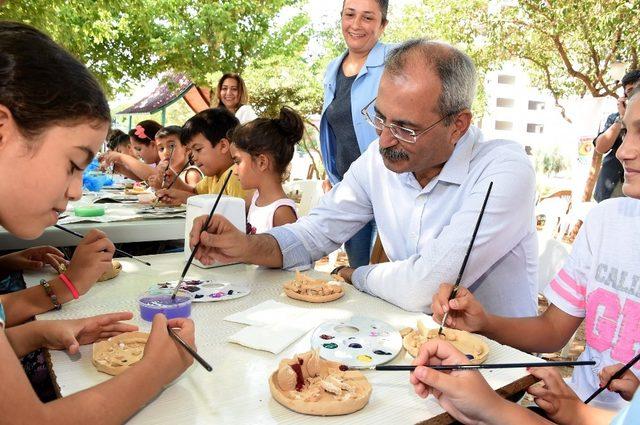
(357, 342)
(208, 290)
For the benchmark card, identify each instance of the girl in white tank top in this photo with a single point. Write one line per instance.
(262, 149)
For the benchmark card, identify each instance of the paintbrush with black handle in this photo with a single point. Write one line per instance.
(189, 349)
(454, 292)
(184, 167)
(206, 225)
(615, 376)
(410, 368)
(81, 236)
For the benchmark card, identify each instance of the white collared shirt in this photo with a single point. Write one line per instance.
(425, 232)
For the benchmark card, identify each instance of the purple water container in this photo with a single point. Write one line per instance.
(156, 301)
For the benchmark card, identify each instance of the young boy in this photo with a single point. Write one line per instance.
(599, 283)
(170, 146)
(205, 134)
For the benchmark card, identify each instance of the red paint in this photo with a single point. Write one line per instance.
(299, 378)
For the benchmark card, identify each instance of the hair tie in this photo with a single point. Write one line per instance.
(140, 132)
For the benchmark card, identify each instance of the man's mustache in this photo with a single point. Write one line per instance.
(393, 154)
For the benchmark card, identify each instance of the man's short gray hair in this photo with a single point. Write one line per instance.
(454, 68)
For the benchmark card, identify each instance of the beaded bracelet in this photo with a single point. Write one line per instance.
(49, 290)
(63, 277)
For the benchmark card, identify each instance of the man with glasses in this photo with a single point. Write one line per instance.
(424, 182)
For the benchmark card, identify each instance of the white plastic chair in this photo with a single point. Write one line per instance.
(311, 191)
(554, 209)
(552, 254)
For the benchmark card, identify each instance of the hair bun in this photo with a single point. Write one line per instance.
(290, 124)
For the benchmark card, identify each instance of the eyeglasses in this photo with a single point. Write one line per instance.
(407, 135)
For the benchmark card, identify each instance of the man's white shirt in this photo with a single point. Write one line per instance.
(425, 232)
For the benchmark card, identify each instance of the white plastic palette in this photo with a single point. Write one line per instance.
(208, 290)
(357, 342)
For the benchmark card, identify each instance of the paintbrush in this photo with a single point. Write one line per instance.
(81, 236)
(164, 177)
(454, 292)
(410, 368)
(190, 350)
(206, 225)
(615, 376)
(155, 204)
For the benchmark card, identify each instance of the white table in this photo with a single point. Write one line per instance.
(138, 229)
(146, 230)
(237, 392)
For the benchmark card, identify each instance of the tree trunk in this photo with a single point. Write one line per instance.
(594, 171)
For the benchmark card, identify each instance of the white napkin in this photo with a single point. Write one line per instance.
(273, 326)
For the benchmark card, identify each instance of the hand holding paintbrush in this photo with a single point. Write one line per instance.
(206, 225)
(454, 292)
(615, 376)
(165, 190)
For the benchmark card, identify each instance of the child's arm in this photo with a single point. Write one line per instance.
(173, 196)
(91, 259)
(67, 334)
(180, 185)
(124, 171)
(284, 215)
(561, 404)
(464, 394)
(32, 259)
(111, 402)
(141, 170)
(546, 333)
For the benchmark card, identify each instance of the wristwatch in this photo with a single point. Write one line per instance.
(618, 119)
(337, 269)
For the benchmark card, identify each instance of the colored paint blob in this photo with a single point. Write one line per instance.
(217, 295)
(381, 353)
(230, 292)
(343, 368)
(198, 296)
(326, 337)
(330, 346)
(355, 345)
(364, 358)
(469, 356)
(299, 376)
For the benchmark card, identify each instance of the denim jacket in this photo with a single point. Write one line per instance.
(363, 90)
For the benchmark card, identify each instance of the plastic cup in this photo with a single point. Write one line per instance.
(159, 300)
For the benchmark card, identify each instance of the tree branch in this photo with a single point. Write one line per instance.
(549, 85)
(570, 69)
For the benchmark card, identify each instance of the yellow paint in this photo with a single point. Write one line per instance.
(364, 358)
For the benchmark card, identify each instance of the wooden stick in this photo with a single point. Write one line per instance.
(454, 292)
(483, 366)
(190, 350)
(81, 236)
(206, 225)
(615, 376)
